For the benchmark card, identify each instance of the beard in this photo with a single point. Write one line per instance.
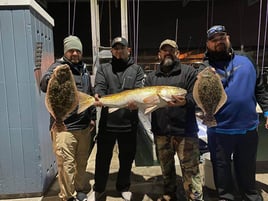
(220, 53)
(167, 61)
(166, 64)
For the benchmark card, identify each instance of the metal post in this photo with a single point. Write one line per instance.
(124, 20)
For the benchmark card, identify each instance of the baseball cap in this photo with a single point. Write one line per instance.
(119, 40)
(216, 29)
(170, 42)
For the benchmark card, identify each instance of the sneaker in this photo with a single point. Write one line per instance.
(81, 196)
(95, 196)
(126, 195)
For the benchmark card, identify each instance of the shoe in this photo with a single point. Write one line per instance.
(81, 196)
(95, 196)
(126, 195)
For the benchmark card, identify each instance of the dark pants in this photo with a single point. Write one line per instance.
(127, 150)
(241, 150)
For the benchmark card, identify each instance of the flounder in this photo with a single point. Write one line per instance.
(209, 95)
(62, 96)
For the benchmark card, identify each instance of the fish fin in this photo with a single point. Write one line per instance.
(196, 96)
(209, 121)
(58, 126)
(85, 101)
(150, 109)
(222, 102)
(112, 109)
(153, 99)
(163, 98)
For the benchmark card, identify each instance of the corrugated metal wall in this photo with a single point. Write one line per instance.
(27, 164)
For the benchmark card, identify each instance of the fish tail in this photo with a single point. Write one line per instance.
(209, 121)
(85, 101)
(59, 126)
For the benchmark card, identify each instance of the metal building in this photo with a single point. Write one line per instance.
(27, 164)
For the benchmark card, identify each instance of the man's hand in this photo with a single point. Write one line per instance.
(97, 101)
(178, 101)
(92, 125)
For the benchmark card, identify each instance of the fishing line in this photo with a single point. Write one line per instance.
(265, 34)
(259, 33)
(74, 13)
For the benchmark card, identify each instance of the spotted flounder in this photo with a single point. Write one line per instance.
(209, 95)
(62, 96)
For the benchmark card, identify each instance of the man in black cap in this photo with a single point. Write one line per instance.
(120, 126)
(234, 140)
(72, 147)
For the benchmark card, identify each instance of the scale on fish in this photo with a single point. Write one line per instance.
(62, 97)
(209, 95)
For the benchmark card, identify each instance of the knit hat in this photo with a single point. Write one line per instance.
(72, 42)
(172, 43)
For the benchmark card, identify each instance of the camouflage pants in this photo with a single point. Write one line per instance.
(187, 150)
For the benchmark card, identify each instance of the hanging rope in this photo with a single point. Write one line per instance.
(135, 17)
(134, 29)
(69, 17)
(74, 13)
(137, 31)
(259, 33)
(264, 41)
(212, 13)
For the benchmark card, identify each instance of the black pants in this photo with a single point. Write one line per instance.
(241, 150)
(127, 150)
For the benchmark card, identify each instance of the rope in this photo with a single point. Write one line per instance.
(259, 33)
(74, 16)
(69, 20)
(134, 30)
(137, 35)
(265, 34)
(135, 11)
(69, 17)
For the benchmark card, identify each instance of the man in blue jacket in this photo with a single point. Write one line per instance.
(235, 138)
(175, 127)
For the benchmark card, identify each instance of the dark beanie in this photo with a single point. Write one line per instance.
(72, 42)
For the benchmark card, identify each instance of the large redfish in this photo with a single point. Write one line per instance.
(62, 96)
(148, 99)
(209, 95)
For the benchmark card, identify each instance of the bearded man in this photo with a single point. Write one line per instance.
(175, 127)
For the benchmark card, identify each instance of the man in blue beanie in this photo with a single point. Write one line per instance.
(72, 147)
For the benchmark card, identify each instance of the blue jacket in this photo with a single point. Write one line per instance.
(244, 87)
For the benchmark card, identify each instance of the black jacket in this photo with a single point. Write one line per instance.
(112, 79)
(175, 121)
(83, 83)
